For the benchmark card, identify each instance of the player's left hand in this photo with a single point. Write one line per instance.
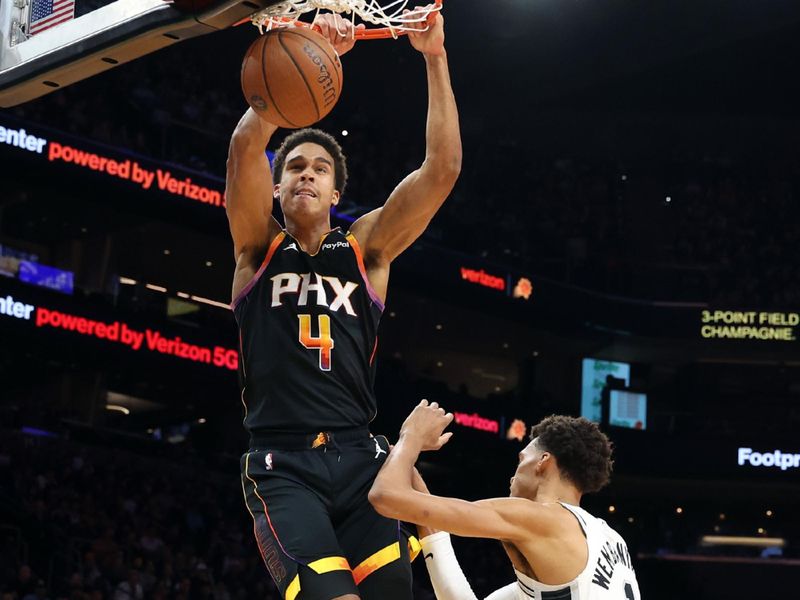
(338, 31)
(429, 37)
(426, 424)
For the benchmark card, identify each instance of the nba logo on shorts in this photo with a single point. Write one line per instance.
(268, 461)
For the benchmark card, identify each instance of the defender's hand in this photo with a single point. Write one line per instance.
(431, 41)
(426, 424)
(338, 31)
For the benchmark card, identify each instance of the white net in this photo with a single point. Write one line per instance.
(390, 16)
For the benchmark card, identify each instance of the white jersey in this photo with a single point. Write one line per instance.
(608, 574)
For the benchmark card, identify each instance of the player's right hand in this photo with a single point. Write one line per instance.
(428, 37)
(338, 31)
(426, 423)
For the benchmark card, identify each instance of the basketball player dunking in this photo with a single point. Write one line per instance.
(307, 300)
(558, 550)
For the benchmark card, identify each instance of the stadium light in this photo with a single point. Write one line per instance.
(210, 302)
(742, 540)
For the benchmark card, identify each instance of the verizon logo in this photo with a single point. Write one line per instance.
(483, 278)
(475, 421)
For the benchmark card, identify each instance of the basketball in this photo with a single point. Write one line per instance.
(292, 77)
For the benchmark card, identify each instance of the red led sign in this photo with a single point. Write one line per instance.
(475, 421)
(126, 169)
(120, 332)
(151, 340)
(131, 170)
(483, 278)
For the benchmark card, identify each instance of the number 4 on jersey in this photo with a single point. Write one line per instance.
(323, 343)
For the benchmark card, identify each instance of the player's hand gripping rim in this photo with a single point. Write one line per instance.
(338, 31)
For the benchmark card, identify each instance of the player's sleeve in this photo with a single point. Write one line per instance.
(447, 578)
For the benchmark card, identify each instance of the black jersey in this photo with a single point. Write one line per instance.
(308, 334)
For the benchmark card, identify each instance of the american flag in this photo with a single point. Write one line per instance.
(49, 13)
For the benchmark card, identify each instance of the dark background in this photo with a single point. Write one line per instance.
(578, 120)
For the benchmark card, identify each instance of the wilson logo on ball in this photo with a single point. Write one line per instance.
(292, 77)
(324, 78)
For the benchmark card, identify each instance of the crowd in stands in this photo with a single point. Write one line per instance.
(99, 523)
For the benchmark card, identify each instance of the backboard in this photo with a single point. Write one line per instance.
(36, 61)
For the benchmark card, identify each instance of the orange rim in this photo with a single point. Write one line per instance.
(375, 33)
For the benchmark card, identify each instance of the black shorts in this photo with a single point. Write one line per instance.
(314, 526)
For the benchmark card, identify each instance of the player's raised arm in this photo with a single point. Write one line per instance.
(249, 187)
(248, 184)
(386, 232)
(393, 494)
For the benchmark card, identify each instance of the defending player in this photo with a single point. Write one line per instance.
(558, 550)
(307, 301)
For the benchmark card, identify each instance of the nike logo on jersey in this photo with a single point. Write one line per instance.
(301, 284)
(291, 246)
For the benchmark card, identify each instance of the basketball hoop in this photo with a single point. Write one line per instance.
(390, 19)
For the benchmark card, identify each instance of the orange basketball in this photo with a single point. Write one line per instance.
(292, 77)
